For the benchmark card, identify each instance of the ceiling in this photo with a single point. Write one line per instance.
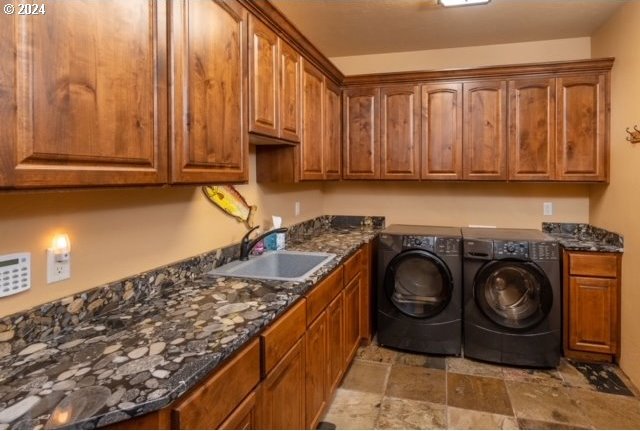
(358, 27)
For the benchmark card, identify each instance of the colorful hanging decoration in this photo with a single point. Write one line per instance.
(231, 201)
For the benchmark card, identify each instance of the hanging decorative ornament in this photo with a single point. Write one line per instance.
(231, 201)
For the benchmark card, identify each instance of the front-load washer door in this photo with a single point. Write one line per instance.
(513, 294)
(418, 283)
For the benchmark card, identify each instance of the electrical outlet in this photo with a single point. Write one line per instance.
(296, 209)
(547, 208)
(57, 270)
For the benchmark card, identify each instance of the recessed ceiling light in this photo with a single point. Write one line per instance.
(450, 3)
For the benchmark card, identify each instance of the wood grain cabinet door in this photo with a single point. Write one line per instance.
(317, 377)
(209, 94)
(243, 417)
(311, 151)
(83, 95)
(583, 136)
(332, 145)
(361, 122)
(351, 320)
(442, 131)
(290, 102)
(592, 312)
(400, 132)
(264, 88)
(532, 135)
(484, 142)
(335, 344)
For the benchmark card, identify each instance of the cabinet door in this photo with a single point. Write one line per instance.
(335, 341)
(282, 392)
(263, 79)
(442, 131)
(366, 305)
(243, 417)
(332, 145)
(484, 130)
(582, 142)
(290, 103)
(209, 93)
(83, 95)
(400, 132)
(312, 134)
(316, 386)
(592, 314)
(351, 319)
(361, 120)
(532, 135)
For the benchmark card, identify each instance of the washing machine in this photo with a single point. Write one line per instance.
(512, 291)
(419, 289)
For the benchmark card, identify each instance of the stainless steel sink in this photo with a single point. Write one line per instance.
(276, 265)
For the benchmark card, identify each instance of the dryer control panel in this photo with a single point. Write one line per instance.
(504, 249)
(448, 246)
(544, 251)
(421, 242)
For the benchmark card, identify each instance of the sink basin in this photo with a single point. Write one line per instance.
(276, 265)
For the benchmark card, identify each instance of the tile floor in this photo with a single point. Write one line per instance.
(387, 389)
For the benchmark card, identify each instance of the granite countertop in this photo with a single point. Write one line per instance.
(142, 355)
(584, 237)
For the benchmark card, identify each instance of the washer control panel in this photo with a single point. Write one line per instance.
(421, 242)
(441, 246)
(503, 249)
(544, 251)
(448, 246)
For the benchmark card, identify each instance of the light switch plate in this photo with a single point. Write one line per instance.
(57, 271)
(547, 208)
(296, 209)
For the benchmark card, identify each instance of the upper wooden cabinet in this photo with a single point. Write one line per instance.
(361, 122)
(400, 132)
(484, 141)
(209, 94)
(82, 104)
(442, 131)
(532, 134)
(274, 84)
(311, 149)
(332, 144)
(582, 128)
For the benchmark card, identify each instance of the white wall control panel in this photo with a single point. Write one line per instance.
(15, 273)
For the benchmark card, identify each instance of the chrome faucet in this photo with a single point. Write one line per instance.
(246, 245)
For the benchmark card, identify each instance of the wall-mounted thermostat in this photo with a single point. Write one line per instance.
(15, 273)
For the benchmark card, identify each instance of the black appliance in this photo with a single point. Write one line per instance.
(419, 289)
(512, 291)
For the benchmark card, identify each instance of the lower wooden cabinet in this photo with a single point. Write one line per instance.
(335, 342)
(592, 305)
(317, 375)
(351, 319)
(244, 416)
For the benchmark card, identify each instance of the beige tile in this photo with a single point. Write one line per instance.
(376, 353)
(476, 368)
(545, 403)
(417, 383)
(396, 413)
(366, 376)
(478, 393)
(353, 409)
(532, 424)
(529, 375)
(607, 411)
(471, 419)
(417, 360)
(571, 376)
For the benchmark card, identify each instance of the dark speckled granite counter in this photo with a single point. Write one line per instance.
(155, 337)
(584, 237)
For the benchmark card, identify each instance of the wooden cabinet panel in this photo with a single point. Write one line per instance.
(278, 338)
(442, 131)
(361, 134)
(209, 403)
(353, 265)
(83, 104)
(290, 103)
(243, 417)
(264, 79)
(583, 136)
(317, 375)
(312, 133)
(332, 145)
(335, 341)
(321, 295)
(593, 264)
(484, 130)
(366, 305)
(209, 97)
(593, 308)
(400, 132)
(282, 392)
(351, 320)
(532, 129)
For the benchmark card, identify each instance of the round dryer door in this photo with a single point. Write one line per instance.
(513, 294)
(418, 283)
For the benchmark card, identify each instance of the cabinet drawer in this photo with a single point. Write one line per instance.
(593, 264)
(320, 297)
(213, 400)
(353, 266)
(280, 337)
